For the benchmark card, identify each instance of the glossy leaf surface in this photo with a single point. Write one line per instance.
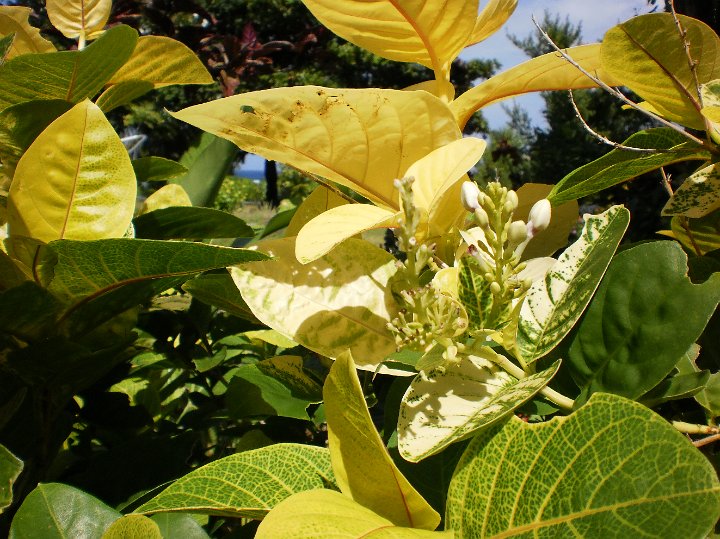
(246, 484)
(75, 181)
(622, 344)
(10, 468)
(611, 469)
(323, 513)
(553, 304)
(444, 407)
(364, 469)
(338, 302)
(155, 169)
(363, 139)
(647, 55)
(68, 75)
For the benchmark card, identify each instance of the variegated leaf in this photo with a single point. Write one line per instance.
(698, 196)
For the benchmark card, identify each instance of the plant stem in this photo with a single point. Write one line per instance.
(693, 428)
(561, 400)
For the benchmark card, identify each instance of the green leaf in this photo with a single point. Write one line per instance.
(435, 412)
(364, 469)
(246, 484)
(122, 93)
(645, 316)
(68, 75)
(189, 222)
(86, 268)
(709, 398)
(618, 166)
(28, 311)
(178, 525)
(675, 387)
(475, 294)
(133, 527)
(338, 302)
(61, 511)
(553, 304)
(10, 468)
(219, 290)
(208, 163)
(75, 181)
(697, 235)
(611, 469)
(699, 194)
(156, 169)
(21, 124)
(276, 386)
(6, 43)
(647, 54)
(277, 222)
(323, 513)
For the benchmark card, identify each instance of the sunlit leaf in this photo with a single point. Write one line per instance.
(133, 526)
(546, 72)
(319, 201)
(425, 32)
(363, 139)
(219, 290)
(620, 165)
(699, 194)
(168, 196)
(491, 18)
(553, 304)
(14, 20)
(338, 302)
(699, 236)
(611, 469)
(447, 405)
(75, 181)
(365, 471)
(622, 345)
(323, 513)
(647, 54)
(246, 484)
(10, 468)
(78, 18)
(68, 75)
(322, 233)
(61, 511)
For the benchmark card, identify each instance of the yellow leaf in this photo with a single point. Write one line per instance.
(546, 72)
(363, 468)
(438, 177)
(322, 513)
(320, 200)
(428, 32)
(492, 17)
(324, 232)
(133, 527)
(647, 55)
(78, 18)
(75, 181)
(167, 196)
(439, 88)
(162, 61)
(14, 20)
(563, 220)
(363, 139)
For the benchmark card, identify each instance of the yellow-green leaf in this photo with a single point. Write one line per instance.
(319, 514)
(133, 527)
(647, 55)
(334, 226)
(78, 18)
(493, 16)
(363, 468)
(167, 196)
(14, 20)
(699, 236)
(338, 302)
(699, 194)
(319, 201)
(363, 139)
(75, 181)
(546, 72)
(427, 32)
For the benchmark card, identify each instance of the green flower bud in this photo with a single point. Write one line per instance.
(517, 232)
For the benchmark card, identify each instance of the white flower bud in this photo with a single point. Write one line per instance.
(539, 217)
(469, 194)
(481, 217)
(511, 199)
(517, 232)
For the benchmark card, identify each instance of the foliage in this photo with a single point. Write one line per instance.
(234, 191)
(159, 387)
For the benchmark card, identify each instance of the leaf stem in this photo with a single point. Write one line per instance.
(694, 428)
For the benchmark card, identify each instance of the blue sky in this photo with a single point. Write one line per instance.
(595, 16)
